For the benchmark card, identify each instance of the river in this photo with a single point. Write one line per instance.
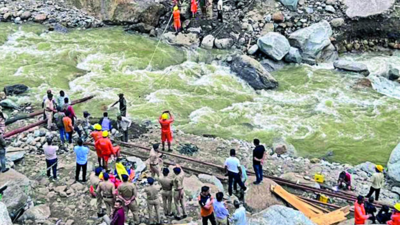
(315, 108)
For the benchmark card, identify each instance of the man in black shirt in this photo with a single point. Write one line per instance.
(258, 160)
(122, 104)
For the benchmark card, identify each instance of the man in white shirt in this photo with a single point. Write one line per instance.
(239, 216)
(233, 168)
(123, 125)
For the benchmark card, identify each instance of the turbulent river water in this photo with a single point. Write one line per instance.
(316, 109)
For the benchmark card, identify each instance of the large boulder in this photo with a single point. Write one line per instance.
(16, 89)
(293, 56)
(260, 197)
(393, 164)
(253, 73)
(192, 185)
(4, 217)
(275, 45)
(188, 40)
(328, 54)
(14, 177)
(212, 180)
(279, 215)
(140, 27)
(365, 8)
(38, 214)
(351, 66)
(14, 197)
(15, 156)
(208, 42)
(290, 4)
(8, 104)
(224, 43)
(299, 179)
(272, 65)
(312, 40)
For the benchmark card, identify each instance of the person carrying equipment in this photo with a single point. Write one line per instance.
(166, 133)
(177, 19)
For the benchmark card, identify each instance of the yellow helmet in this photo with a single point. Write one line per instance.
(397, 206)
(105, 133)
(97, 126)
(164, 116)
(176, 8)
(379, 168)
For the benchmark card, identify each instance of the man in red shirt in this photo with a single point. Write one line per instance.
(165, 120)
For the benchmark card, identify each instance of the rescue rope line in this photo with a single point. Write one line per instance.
(151, 60)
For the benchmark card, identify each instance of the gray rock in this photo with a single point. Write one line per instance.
(16, 89)
(328, 54)
(275, 45)
(252, 50)
(141, 27)
(253, 73)
(293, 56)
(272, 65)
(351, 66)
(188, 40)
(312, 40)
(396, 190)
(393, 73)
(367, 167)
(278, 215)
(208, 42)
(4, 217)
(337, 22)
(224, 43)
(8, 104)
(37, 214)
(212, 180)
(331, 2)
(196, 30)
(14, 197)
(60, 28)
(330, 9)
(365, 8)
(291, 150)
(25, 15)
(309, 10)
(15, 156)
(393, 164)
(140, 165)
(290, 4)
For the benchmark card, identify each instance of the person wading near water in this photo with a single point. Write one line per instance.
(152, 201)
(61, 99)
(50, 152)
(395, 219)
(378, 180)
(49, 110)
(233, 170)
(81, 153)
(127, 194)
(258, 160)
(154, 160)
(97, 134)
(122, 104)
(359, 211)
(105, 122)
(165, 120)
(106, 149)
(193, 7)
(68, 127)
(177, 19)
(206, 202)
(106, 192)
(220, 9)
(3, 151)
(123, 125)
(166, 192)
(179, 194)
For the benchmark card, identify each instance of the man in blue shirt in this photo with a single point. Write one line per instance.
(82, 153)
(220, 210)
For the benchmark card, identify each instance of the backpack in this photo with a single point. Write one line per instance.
(59, 120)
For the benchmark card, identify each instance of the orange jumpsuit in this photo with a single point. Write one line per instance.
(96, 135)
(395, 219)
(166, 133)
(106, 148)
(194, 6)
(177, 19)
(359, 213)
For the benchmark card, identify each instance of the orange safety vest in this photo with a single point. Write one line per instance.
(359, 213)
(177, 15)
(105, 145)
(206, 212)
(96, 135)
(395, 219)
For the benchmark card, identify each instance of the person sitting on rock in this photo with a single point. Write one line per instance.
(383, 215)
(344, 180)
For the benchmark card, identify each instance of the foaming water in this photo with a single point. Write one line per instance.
(315, 108)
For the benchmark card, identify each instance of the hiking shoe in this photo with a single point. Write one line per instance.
(256, 183)
(245, 189)
(184, 216)
(177, 218)
(7, 169)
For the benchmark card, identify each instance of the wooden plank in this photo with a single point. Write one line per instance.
(332, 217)
(294, 201)
(313, 207)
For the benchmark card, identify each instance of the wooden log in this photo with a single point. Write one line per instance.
(22, 129)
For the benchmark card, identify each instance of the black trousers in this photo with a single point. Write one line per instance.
(78, 171)
(210, 218)
(220, 16)
(124, 136)
(371, 191)
(234, 177)
(51, 166)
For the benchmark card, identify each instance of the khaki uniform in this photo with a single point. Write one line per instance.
(153, 201)
(166, 194)
(106, 190)
(154, 161)
(94, 181)
(179, 195)
(127, 191)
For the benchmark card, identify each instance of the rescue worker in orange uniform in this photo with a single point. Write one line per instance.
(106, 148)
(177, 19)
(193, 7)
(395, 216)
(96, 135)
(359, 211)
(165, 121)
